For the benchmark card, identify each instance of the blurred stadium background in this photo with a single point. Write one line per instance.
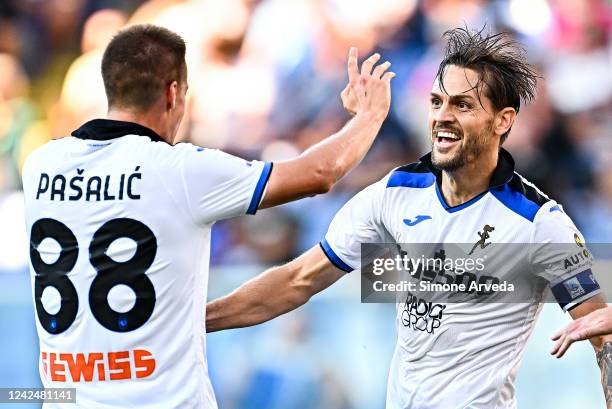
(265, 78)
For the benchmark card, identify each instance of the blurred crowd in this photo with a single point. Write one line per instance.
(265, 78)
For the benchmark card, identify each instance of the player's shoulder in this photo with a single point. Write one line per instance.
(551, 224)
(43, 154)
(166, 150)
(413, 175)
(528, 191)
(160, 154)
(524, 198)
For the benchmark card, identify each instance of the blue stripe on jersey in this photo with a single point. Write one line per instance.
(333, 257)
(409, 179)
(515, 201)
(578, 286)
(259, 188)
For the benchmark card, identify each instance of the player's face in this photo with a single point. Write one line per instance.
(461, 128)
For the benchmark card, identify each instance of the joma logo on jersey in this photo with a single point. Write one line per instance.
(420, 218)
(97, 366)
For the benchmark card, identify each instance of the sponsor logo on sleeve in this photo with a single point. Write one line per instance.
(574, 288)
(578, 240)
(582, 258)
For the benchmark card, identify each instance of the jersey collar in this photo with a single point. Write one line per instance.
(501, 175)
(106, 129)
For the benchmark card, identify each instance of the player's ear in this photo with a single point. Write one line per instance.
(504, 120)
(171, 95)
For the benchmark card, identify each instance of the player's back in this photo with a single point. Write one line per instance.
(119, 264)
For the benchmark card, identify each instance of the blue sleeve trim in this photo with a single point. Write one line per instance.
(576, 288)
(259, 189)
(333, 257)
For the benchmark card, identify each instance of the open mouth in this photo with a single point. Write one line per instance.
(445, 138)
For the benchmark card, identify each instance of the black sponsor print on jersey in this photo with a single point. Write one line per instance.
(443, 273)
(89, 188)
(421, 315)
(579, 259)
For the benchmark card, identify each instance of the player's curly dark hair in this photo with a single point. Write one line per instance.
(500, 62)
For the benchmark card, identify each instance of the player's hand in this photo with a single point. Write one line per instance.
(369, 90)
(596, 323)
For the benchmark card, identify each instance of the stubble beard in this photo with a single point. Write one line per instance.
(468, 150)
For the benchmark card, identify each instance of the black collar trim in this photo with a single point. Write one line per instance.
(107, 129)
(501, 175)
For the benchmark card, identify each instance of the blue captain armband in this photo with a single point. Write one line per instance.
(574, 290)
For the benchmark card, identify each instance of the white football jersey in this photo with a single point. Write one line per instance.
(464, 355)
(119, 224)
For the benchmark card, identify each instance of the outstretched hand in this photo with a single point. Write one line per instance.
(596, 323)
(369, 90)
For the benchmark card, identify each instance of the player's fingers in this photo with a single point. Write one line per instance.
(388, 76)
(348, 99)
(353, 69)
(557, 345)
(557, 335)
(571, 327)
(345, 91)
(577, 335)
(567, 341)
(380, 69)
(366, 66)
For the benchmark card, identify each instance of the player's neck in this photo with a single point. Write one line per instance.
(150, 119)
(465, 183)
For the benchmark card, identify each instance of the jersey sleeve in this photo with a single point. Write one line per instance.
(220, 186)
(358, 221)
(561, 257)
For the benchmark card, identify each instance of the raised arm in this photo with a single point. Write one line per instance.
(274, 292)
(318, 168)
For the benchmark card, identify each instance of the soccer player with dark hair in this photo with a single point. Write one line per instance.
(119, 221)
(449, 355)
